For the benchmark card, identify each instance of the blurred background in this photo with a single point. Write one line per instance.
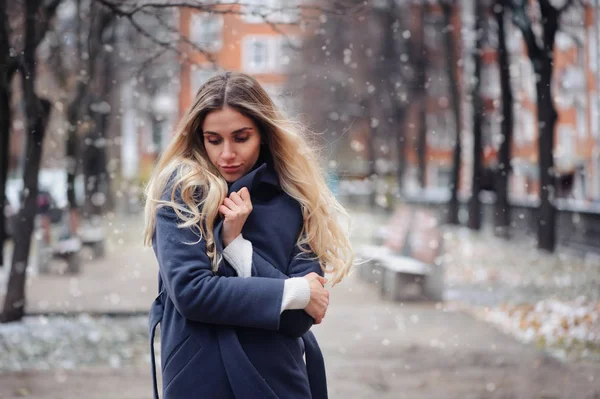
(462, 136)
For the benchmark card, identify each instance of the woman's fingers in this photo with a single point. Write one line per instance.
(235, 197)
(244, 194)
(314, 276)
(239, 199)
(225, 211)
(229, 204)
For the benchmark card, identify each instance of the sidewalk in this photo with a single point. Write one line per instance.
(124, 281)
(372, 348)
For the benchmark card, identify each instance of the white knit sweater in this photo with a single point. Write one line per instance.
(296, 290)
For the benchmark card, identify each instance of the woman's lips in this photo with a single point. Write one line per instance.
(231, 169)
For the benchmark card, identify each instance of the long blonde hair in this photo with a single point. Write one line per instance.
(200, 183)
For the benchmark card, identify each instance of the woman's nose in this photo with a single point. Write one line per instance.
(228, 152)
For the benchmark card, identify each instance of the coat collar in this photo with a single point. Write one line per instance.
(264, 172)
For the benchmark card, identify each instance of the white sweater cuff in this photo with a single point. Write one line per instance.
(296, 294)
(239, 255)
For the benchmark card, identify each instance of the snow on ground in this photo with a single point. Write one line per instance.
(550, 299)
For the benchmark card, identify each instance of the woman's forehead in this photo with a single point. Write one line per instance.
(226, 121)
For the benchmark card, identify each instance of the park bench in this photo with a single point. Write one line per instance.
(92, 235)
(405, 260)
(65, 247)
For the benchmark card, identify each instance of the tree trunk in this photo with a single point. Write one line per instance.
(422, 143)
(370, 144)
(542, 61)
(475, 215)
(546, 229)
(502, 206)
(37, 112)
(451, 62)
(422, 83)
(97, 179)
(73, 116)
(95, 173)
(5, 121)
(400, 117)
(7, 71)
(72, 153)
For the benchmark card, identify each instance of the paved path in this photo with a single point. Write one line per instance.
(373, 349)
(124, 281)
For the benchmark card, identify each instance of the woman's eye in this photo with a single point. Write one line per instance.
(241, 139)
(214, 142)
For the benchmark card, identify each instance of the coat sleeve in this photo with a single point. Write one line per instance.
(294, 323)
(200, 295)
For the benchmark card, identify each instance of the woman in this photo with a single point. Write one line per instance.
(244, 228)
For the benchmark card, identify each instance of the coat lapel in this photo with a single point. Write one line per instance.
(265, 173)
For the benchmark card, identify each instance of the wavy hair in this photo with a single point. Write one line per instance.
(198, 189)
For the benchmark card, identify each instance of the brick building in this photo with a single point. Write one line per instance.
(243, 39)
(576, 90)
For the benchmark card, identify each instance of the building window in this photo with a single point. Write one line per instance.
(490, 78)
(528, 127)
(255, 54)
(440, 130)
(265, 53)
(594, 115)
(592, 48)
(206, 31)
(528, 79)
(582, 127)
(565, 150)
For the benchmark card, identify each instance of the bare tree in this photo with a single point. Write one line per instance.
(448, 9)
(421, 63)
(540, 49)
(502, 206)
(8, 68)
(37, 112)
(400, 83)
(475, 216)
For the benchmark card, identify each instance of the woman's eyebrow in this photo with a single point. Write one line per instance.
(240, 130)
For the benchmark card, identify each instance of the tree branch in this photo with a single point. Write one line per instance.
(521, 19)
(182, 38)
(48, 13)
(233, 7)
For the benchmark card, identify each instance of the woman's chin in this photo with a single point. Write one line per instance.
(231, 177)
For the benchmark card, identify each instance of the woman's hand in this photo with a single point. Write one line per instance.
(235, 209)
(319, 297)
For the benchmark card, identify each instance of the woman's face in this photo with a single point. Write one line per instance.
(232, 142)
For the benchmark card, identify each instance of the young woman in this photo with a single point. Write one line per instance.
(244, 228)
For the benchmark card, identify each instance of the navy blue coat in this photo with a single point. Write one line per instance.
(223, 336)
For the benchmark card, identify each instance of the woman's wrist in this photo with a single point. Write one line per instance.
(239, 255)
(296, 294)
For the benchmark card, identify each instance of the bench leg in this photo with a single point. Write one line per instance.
(73, 263)
(371, 272)
(99, 249)
(434, 284)
(397, 286)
